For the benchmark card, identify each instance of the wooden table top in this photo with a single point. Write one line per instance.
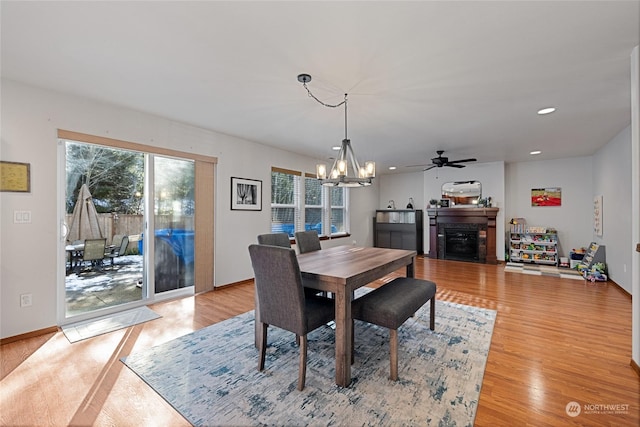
(351, 264)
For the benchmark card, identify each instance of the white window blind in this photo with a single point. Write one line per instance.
(299, 202)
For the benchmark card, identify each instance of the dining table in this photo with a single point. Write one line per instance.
(341, 270)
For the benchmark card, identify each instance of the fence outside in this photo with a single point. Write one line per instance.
(133, 225)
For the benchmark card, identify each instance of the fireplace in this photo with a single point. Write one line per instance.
(463, 234)
(461, 243)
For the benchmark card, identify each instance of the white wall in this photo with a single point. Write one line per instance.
(29, 252)
(611, 171)
(574, 218)
(399, 187)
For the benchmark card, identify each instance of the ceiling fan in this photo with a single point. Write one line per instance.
(440, 161)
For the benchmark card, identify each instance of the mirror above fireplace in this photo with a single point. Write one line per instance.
(462, 193)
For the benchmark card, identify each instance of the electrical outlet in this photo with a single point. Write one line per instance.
(26, 300)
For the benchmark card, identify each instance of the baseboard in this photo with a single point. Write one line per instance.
(635, 367)
(32, 334)
(241, 282)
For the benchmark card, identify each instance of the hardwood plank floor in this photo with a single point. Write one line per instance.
(555, 341)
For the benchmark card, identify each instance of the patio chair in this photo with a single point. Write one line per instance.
(282, 302)
(119, 248)
(94, 252)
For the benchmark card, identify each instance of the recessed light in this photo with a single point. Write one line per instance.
(535, 152)
(392, 168)
(548, 110)
(336, 148)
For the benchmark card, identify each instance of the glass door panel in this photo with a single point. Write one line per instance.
(104, 200)
(174, 207)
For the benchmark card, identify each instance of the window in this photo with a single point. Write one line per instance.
(298, 199)
(284, 201)
(313, 206)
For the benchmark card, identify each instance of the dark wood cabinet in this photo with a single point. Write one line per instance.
(398, 229)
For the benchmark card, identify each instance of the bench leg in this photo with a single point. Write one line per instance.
(433, 313)
(393, 354)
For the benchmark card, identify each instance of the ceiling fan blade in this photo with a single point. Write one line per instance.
(463, 160)
(453, 165)
(429, 168)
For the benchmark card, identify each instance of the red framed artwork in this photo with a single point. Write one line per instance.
(551, 196)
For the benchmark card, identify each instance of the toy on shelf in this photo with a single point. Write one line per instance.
(597, 272)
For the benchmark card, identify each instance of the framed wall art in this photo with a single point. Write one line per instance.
(597, 215)
(246, 194)
(551, 196)
(15, 177)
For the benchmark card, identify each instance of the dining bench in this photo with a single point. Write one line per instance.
(391, 305)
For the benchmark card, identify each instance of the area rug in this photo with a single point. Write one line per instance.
(210, 376)
(94, 327)
(543, 270)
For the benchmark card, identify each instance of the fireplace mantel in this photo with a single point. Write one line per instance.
(484, 217)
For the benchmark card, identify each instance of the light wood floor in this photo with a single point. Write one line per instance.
(555, 341)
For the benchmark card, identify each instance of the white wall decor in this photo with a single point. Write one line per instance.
(597, 215)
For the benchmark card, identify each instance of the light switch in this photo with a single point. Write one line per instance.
(21, 217)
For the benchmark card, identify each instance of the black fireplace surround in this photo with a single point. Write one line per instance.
(462, 242)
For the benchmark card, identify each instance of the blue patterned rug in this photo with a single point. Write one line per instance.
(210, 376)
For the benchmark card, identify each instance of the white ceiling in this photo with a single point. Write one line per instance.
(465, 77)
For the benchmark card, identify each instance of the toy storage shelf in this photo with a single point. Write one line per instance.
(595, 254)
(536, 245)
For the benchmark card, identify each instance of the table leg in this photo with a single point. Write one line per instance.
(343, 336)
(410, 272)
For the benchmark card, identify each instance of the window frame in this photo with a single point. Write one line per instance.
(300, 205)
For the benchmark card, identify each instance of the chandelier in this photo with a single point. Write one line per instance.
(346, 171)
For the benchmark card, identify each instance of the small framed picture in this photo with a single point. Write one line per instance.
(246, 194)
(15, 177)
(444, 203)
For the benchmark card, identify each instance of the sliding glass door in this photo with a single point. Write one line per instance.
(129, 227)
(104, 221)
(174, 232)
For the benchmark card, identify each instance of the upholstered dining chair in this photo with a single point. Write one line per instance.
(282, 240)
(275, 239)
(282, 302)
(307, 241)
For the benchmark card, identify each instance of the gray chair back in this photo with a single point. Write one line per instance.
(279, 287)
(308, 241)
(94, 249)
(275, 239)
